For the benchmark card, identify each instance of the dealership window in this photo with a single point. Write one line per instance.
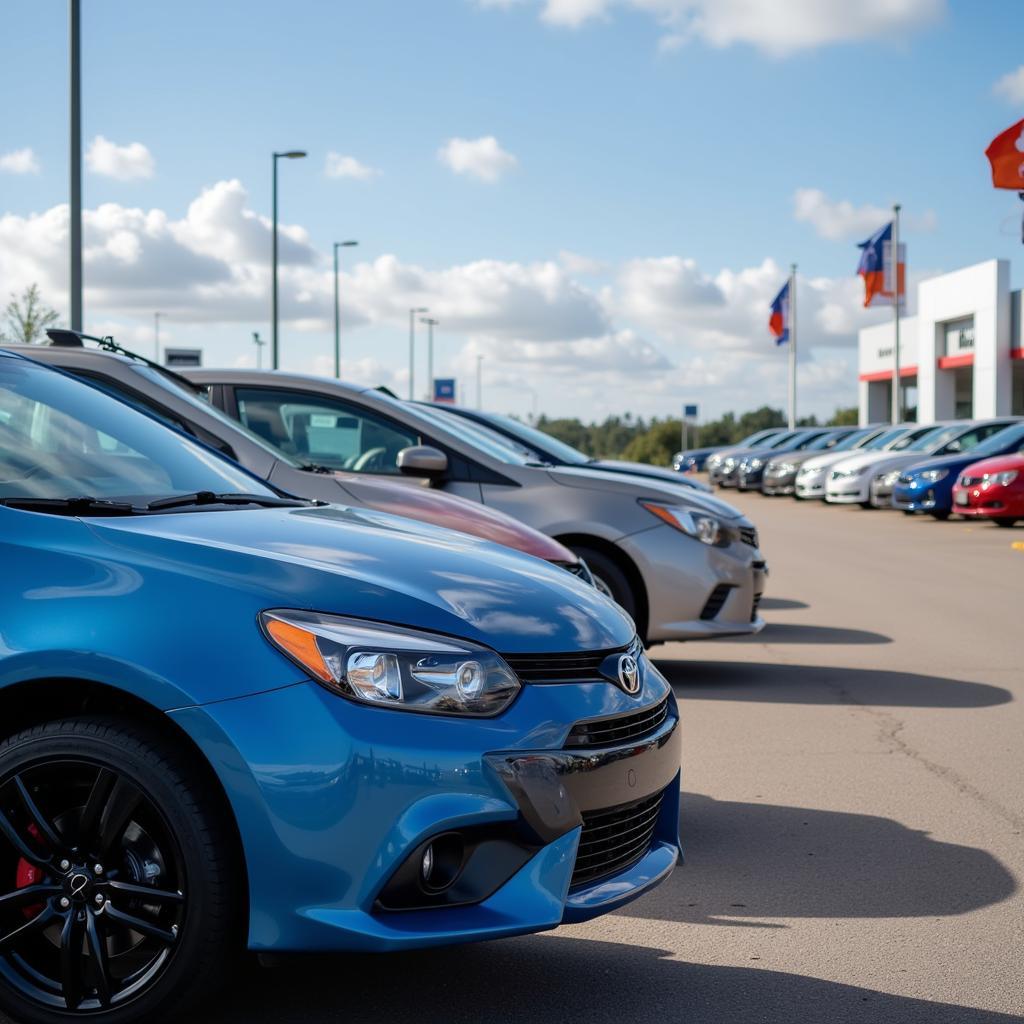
(323, 430)
(959, 336)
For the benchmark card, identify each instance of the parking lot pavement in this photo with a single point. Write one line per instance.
(853, 815)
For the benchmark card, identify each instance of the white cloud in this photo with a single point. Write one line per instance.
(575, 263)
(19, 161)
(776, 27)
(1011, 86)
(836, 219)
(481, 158)
(340, 166)
(125, 163)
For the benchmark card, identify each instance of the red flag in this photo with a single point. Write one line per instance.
(1006, 155)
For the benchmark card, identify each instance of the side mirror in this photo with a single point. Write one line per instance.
(422, 460)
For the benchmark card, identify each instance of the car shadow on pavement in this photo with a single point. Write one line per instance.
(782, 604)
(752, 860)
(795, 633)
(771, 682)
(557, 980)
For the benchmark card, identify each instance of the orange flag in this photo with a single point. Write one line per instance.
(1006, 155)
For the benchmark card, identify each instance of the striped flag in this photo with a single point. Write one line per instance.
(876, 267)
(778, 322)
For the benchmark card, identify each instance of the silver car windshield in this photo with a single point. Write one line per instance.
(539, 440)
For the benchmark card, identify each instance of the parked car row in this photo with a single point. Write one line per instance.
(973, 468)
(297, 666)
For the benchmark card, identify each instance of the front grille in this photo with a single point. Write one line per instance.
(748, 534)
(714, 603)
(609, 732)
(577, 667)
(753, 610)
(614, 839)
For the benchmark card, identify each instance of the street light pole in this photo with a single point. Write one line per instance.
(337, 310)
(259, 343)
(75, 165)
(291, 154)
(431, 324)
(412, 346)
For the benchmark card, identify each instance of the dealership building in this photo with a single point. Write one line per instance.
(961, 354)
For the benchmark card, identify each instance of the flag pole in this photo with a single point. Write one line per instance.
(897, 403)
(792, 346)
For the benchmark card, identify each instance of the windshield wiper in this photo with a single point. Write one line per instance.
(79, 506)
(211, 498)
(314, 467)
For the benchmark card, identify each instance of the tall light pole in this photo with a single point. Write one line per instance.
(337, 310)
(75, 165)
(259, 343)
(291, 154)
(412, 346)
(156, 336)
(431, 324)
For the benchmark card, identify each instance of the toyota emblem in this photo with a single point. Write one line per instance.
(629, 674)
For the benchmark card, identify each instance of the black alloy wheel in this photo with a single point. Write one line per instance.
(112, 876)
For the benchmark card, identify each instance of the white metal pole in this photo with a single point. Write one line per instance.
(75, 166)
(897, 404)
(792, 347)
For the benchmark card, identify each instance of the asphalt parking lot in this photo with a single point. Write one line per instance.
(853, 815)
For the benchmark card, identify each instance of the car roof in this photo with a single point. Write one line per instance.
(203, 375)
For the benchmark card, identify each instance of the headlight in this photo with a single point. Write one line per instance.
(1002, 478)
(842, 474)
(391, 666)
(706, 529)
(755, 464)
(730, 463)
(890, 479)
(785, 467)
(934, 475)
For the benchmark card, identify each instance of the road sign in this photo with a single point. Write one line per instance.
(444, 390)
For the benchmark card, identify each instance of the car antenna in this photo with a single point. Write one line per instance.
(62, 337)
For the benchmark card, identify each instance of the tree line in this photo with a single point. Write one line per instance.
(655, 440)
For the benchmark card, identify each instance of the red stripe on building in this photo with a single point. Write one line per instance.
(1017, 353)
(955, 362)
(905, 371)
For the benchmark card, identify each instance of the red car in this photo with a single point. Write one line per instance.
(992, 489)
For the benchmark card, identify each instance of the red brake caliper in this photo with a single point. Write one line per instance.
(28, 874)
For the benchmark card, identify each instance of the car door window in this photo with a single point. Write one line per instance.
(324, 431)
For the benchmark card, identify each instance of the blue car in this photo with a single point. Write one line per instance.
(233, 718)
(928, 486)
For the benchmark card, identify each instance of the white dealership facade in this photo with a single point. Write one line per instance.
(961, 354)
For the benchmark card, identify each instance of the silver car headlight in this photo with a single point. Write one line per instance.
(704, 528)
(392, 666)
(755, 464)
(890, 479)
(784, 468)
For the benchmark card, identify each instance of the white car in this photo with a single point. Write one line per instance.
(849, 481)
(813, 474)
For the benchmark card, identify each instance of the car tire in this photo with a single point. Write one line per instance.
(610, 578)
(1004, 520)
(942, 514)
(865, 504)
(153, 926)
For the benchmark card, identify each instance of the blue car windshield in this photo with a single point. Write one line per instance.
(63, 439)
(760, 439)
(1009, 439)
(935, 439)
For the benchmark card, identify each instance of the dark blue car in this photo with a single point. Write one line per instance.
(928, 486)
(233, 718)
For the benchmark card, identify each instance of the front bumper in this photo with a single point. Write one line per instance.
(880, 493)
(332, 798)
(847, 490)
(911, 498)
(808, 485)
(778, 483)
(988, 501)
(697, 592)
(750, 479)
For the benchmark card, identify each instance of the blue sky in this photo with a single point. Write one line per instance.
(647, 168)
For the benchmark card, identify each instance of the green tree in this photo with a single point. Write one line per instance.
(656, 445)
(849, 416)
(26, 318)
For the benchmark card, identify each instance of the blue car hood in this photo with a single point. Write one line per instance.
(374, 566)
(958, 460)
